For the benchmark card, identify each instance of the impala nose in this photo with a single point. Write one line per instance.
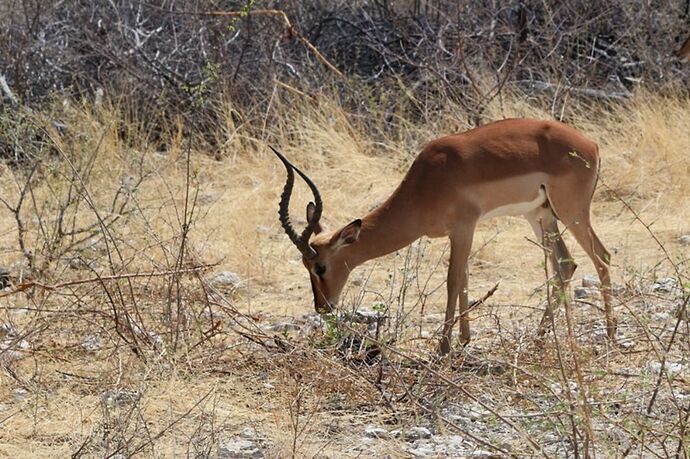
(324, 308)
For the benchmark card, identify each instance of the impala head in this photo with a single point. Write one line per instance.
(322, 252)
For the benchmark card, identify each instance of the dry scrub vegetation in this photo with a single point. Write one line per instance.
(153, 307)
(121, 342)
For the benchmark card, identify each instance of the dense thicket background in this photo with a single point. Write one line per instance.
(170, 57)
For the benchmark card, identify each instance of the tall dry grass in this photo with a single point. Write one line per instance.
(205, 380)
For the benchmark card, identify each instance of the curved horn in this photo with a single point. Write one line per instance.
(301, 241)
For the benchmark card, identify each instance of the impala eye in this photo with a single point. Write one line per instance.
(320, 270)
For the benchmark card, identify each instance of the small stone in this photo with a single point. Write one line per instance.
(250, 433)
(239, 448)
(367, 317)
(684, 239)
(282, 327)
(423, 449)
(411, 434)
(665, 285)
(20, 394)
(415, 433)
(12, 348)
(591, 281)
(582, 293)
(375, 432)
(91, 343)
(671, 368)
(558, 389)
(312, 322)
(120, 396)
(551, 437)
(674, 368)
(227, 279)
(661, 316)
(4, 278)
(618, 289)
(626, 343)
(474, 412)
(78, 263)
(8, 330)
(208, 197)
(454, 444)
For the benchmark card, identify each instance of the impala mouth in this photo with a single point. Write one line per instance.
(326, 307)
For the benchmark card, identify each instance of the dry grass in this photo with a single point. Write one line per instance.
(201, 366)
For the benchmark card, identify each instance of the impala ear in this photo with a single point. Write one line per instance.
(311, 208)
(348, 235)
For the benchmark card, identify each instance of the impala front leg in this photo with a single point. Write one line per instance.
(460, 246)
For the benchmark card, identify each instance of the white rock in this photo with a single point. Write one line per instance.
(91, 343)
(618, 289)
(454, 444)
(120, 396)
(208, 197)
(239, 448)
(11, 350)
(366, 317)
(249, 433)
(582, 293)
(282, 327)
(626, 343)
(684, 239)
(558, 389)
(8, 330)
(412, 433)
(671, 368)
(423, 449)
(4, 278)
(590, 281)
(227, 279)
(551, 437)
(375, 432)
(665, 285)
(78, 263)
(312, 322)
(661, 316)
(20, 394)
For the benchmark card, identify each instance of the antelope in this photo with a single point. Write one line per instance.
(544, 170)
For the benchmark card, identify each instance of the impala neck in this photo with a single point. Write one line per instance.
(384, 230)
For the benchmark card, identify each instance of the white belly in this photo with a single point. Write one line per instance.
(517, 208)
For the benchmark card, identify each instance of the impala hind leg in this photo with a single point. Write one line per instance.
(573, 211)
(592, 245)
(545, 227)
(460, 246)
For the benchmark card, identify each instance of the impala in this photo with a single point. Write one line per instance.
(544, 170)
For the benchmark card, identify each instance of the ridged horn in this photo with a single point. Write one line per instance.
(301, 241)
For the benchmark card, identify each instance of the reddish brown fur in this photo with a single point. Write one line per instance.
(452, 184)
